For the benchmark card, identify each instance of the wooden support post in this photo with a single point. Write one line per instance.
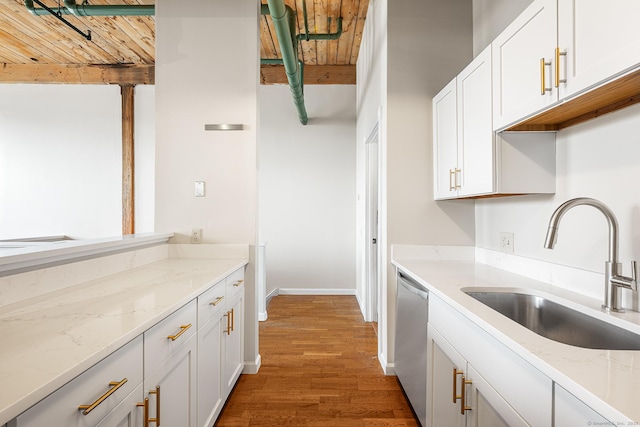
(128, 183)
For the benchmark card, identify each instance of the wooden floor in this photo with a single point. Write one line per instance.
(319, 368)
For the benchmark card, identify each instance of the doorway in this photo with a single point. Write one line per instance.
(372, 243)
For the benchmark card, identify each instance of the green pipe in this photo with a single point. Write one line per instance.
(109, 10)
(306, 22)
(283, 21)
(330, 36)
(71, 8)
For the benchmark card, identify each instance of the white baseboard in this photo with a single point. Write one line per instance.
(303, 291)
(252, 367)
(387, 368)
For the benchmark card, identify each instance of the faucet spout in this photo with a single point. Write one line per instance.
(554, 222)
(613, 277)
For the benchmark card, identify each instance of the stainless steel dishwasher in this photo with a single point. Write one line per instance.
(411, 342)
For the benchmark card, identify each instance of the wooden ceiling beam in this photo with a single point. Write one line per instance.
(313, 74)
(78, 74)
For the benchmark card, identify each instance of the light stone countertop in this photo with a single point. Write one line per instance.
(50, 339)
(606, 380)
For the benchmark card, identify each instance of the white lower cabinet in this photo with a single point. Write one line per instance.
(172, 388)
(233, 344)
(129, 413)
(211, 307)
(459, 395)
(177, 374)
(569, 410)
(96, 393)
(489, 378)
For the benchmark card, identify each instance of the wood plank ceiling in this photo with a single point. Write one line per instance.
(42, 49)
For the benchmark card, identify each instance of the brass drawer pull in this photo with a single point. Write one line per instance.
(217, 301)
(228, 316)
(455, 384)
(115, 385)
(463, 395)
(233, 320)
(145, 404)
(238, 283)
(183, 329)
(543, 78)
(558, 55)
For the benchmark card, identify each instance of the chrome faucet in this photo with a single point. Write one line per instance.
(613, 279)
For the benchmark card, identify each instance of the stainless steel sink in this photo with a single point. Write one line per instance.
(558, 322)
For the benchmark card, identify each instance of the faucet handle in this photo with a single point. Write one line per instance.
(619, 280)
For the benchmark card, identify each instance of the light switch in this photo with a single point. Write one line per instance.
(199, 188)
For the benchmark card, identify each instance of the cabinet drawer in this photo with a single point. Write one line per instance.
(529, 391)
(168, 335)
(113, 378)
(235, 283)
(211, 303)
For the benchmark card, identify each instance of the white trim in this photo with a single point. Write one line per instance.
(388, 368)
(32, 258)
(252, 367)
(301, 291)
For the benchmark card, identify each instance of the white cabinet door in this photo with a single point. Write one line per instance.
(445, 142)
(127, 413)
(519, 74)
(209, 371)
(443, 383)
(171, 388)
(569, 410)
(233, 343)
(486, 408)
(600, 40)
(99, 390)
(476, 160)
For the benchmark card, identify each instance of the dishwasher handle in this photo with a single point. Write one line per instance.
(412, 286)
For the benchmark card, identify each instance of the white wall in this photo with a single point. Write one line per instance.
(423, 45)
(61, 160)
(307, 188)
(207, 73)
(490, 17)
(599, 159)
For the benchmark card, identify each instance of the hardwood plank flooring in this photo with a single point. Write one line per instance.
(319, 369)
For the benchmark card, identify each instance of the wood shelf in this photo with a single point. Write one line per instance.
(615, 95)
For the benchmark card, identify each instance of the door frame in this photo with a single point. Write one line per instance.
(372, 244)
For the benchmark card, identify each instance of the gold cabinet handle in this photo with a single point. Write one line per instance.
(115, 385)
(455, 181)
(238, 283)
(455, 384)
(463, 395)
(145, 404)
(233, 320)
(145, 413)
(183, 329)
(228, 316)
(543, 78)
(451, 184)
(217, 301)
(558, 55)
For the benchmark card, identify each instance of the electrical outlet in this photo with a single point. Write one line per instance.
(506, 242)
(196, 235)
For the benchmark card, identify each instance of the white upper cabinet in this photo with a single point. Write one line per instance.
(475, 133)
(470, 160)
(522, 64)
(462, 133)
(445, 142)
(559, 49)
(599, 40)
